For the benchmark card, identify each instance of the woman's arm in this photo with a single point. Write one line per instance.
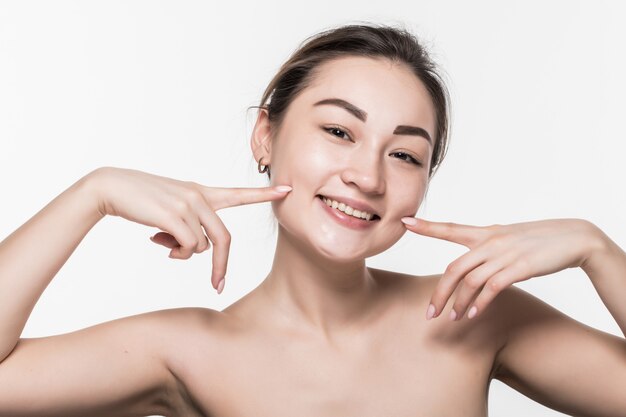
(547, 355)
(606, 268)
(561, 362)
(113, 368)
(122, 367)
(32, 255)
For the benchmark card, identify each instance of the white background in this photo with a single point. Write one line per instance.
(537, 132)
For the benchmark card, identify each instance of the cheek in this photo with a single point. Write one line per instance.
(393, 229)
(407, 193)
(303, 166)
(305, 163)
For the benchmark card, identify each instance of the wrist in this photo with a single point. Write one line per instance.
(90, 186)
(600, 246)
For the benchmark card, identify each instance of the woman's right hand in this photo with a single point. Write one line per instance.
(181, 209)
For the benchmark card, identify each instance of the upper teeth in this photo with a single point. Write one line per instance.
(347, 209)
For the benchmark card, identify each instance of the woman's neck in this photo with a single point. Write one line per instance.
(313, 291)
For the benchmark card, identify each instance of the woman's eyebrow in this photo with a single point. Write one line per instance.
(362, 116)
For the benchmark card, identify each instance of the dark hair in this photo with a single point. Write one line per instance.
(373, 41)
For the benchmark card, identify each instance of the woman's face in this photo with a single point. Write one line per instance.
(325, 149)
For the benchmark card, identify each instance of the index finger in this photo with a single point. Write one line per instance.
(452, 232)
(222, 197)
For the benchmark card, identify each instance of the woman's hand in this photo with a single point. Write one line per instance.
(500, 255)
(183, 210)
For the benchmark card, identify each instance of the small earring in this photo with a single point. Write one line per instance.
(264, 169)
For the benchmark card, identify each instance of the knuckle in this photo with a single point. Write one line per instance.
(452, 268)
(494, 285)
(191, 184)
(194, 196)
(223, 239)
(186, 243)
(181, 206)
(472, 280)
(499, 240)
(200, 247)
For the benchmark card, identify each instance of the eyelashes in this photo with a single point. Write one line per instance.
(404, 156)
(409, 158)
(336, 129)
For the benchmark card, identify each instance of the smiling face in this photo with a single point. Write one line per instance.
(354, 134)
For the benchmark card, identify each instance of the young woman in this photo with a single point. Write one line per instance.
(350, 132)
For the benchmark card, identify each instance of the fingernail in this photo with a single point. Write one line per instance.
(220, 286)
(452, 315)
(472, 312)
(409, 220)
(431, 312)
(283, 188)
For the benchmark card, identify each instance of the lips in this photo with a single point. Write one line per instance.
(358, 205)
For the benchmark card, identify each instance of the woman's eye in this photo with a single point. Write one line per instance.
(337, 132)
(333, 130)
(408, 158)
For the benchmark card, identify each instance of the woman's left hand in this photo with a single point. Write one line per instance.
(500, 255)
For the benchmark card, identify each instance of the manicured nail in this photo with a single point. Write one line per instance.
(452, 315)
(412, 221)
(220, 286)
(431, 312)
(472, 312)
(283, 188)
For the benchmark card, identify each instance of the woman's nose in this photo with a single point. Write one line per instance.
(365, 170)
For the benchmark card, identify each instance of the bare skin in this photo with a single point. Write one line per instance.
(322, 334)
(394, 363)
(251, 357)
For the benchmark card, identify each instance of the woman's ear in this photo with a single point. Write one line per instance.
(260, 142)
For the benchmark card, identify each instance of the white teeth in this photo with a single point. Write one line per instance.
(347, 209)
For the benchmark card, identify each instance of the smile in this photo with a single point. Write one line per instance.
(359, 214)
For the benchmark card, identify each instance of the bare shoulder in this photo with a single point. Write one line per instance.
(177, 329)
(176, 323)
(187, 326)
(126, 366)
(194, 342)
(418, 290)
(472, 342)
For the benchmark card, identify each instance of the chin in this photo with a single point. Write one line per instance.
(350, 251)
(339, 256)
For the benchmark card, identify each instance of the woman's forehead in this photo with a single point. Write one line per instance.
(379, 88)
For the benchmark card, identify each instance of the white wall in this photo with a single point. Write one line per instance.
(538, 101)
